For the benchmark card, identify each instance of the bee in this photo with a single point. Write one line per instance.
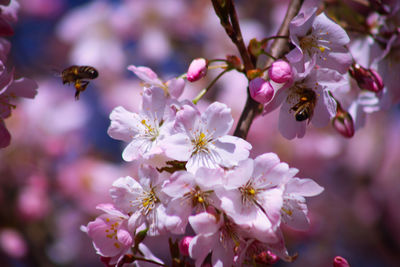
(79, 76)
(304, 109)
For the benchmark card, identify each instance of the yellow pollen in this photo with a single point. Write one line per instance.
(322, 49)
(116, 245)
(200, 199)
(202, 141)
(147, 126)
(252, 191)
(107, 220)
(288, 212)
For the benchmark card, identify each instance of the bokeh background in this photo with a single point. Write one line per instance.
(61, 162)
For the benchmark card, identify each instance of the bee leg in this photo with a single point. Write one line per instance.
(80, 86)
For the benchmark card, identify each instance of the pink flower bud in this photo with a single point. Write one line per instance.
(280, 71)
(184, 245)
(261, 90)
(367, 79)
(197, 69)
(340, 262)
(343, 122)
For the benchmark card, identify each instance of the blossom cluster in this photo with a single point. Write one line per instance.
(10, 87)
(190, 171)
(323, 78)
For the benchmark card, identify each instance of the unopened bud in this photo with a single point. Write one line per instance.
(261, 90)
(197, 69)
(340, 262)
(267, 257)
(234, 62)
(255, 47)
(343, 122)
(280, 71)
(184, 245)
(367, 79)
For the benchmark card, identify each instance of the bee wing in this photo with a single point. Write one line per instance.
(56, 72)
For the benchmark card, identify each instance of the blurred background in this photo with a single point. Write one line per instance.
(61, 162)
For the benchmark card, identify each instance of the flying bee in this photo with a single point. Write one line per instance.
(79, 76)
(304, 109)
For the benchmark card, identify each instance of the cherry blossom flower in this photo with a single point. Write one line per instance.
(10, 89)
(190, 192)
(143, 131)
(306, 100)
(252, 195)
(320, 38)
(109, 232)
(141, 199)
(174, 87)
(294, 209)
(201, 138)
(215, 233)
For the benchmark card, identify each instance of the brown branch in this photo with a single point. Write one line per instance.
(278, 48)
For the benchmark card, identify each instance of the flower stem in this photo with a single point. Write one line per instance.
(204, 91)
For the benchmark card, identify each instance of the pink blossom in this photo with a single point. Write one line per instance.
(261, 90)
(201, 138)
(13, 243)
(320, 38)
(143, 130)
(190, 192)
(197, 69)
(109, 232)
(294, 209)
(252, 195)
(174, 86)
(141, 198)
(213, 234)
(280, 71)
(305, 100)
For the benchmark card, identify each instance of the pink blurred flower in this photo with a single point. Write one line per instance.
(12, 243)
(42, 8)
(87, 181)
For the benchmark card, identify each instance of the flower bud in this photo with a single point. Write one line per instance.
(343, 122)
(234, 62)
(280, 71)
(197, 69)
(367, 79)
(267, 257)
(184, 245)
(261, 90)
(340, 262)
